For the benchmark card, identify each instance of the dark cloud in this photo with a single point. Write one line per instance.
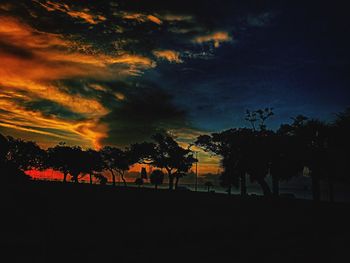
(49, 108)
(144, 111)
(15, 51)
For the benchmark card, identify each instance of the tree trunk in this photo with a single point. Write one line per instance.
(208, 189)
(156, 186)
(90, 175)
(75, 178)
(243, 184)
(123, 179)
(331, 189)
(171, 180)
(176, 182)
(265, 187)
(275, 185)
(65, 177)
(316, 194)
(113, 177)
(229, 190)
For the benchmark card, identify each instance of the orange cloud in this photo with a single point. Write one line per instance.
(136, 16)
(88, 132)
(217, 38)
(154, 19)
(41, 55)
(141, 18)
(170, 55)
(119, 96)
(81, 14)
(32, 65)
(97, 87)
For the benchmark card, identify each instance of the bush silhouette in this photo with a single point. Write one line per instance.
(156, 178)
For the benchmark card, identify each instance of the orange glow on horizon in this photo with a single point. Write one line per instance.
(52, 175)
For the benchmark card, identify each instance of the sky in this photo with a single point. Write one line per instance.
(95, 73)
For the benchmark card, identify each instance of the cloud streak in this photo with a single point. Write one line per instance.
(36, 62)
(217, 38)
(83, 14)
(169, 55)
(141, 18)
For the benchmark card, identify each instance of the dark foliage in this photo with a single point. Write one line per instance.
(156, 178)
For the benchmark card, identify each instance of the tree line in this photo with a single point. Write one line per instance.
(320, 149)
(18, 156)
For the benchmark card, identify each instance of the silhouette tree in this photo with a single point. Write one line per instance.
(156, 178)
(166, 154)
(243, 151)
(258, 149)
(258, 160)
(25, 155)
(143, 153)
(143, 173)
(172, 157)
(208, 185)
(312, 137)
(222, 144)
(116, 161)
(315, 136)
(229, 178)
(178, 175)
(101, 178)
(251, 117)
(284, 158)
(4, 148)
(58, 159)
(260, 115)
(338, 149)
(68, 160)
(9, 171)
(93, 163)
(78, 164)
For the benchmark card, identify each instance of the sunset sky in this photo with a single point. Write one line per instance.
(96, 73)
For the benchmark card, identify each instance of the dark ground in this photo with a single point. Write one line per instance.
(53, 222)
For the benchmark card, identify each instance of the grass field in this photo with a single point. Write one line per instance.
(54, 222)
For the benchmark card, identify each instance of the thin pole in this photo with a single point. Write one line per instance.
(196, 184)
